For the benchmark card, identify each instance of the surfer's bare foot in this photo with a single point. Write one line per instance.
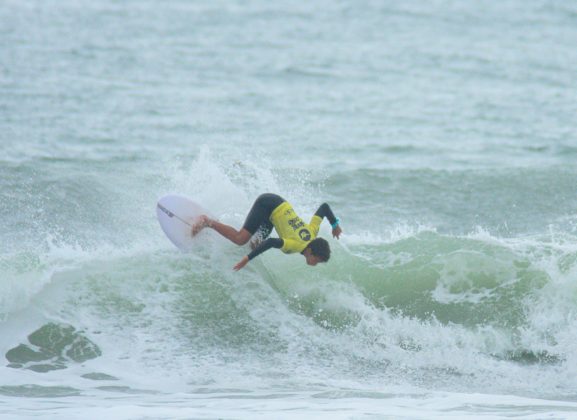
(202, 222)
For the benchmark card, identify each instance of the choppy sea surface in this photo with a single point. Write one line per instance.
(442, 133)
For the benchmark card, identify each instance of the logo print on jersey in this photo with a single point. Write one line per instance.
(305, 235)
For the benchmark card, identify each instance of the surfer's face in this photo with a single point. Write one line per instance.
(312, 259)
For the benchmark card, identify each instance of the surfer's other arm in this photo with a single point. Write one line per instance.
(264, 246)
(325, 211)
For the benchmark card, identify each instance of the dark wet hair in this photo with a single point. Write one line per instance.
(320, 248)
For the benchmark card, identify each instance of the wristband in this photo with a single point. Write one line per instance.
(336, 224)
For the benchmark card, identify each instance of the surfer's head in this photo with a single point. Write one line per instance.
(318, 250)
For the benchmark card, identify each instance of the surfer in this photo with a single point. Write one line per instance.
(271, 210)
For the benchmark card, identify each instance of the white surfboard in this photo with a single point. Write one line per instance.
(176, 215)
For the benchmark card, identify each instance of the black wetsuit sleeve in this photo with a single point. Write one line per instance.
(325, 211)
(265, 246)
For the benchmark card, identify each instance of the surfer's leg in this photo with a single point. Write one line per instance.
(261, 234)
(239, 237)
(258, 219)
(258, 215)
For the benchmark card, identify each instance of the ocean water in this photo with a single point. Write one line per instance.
(442, 133)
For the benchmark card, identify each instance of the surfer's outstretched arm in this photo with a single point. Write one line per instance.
(264, 246)
(325, 211)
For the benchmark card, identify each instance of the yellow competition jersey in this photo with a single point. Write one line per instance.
(295, 233)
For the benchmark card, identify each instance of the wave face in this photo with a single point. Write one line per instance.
(412, 306)
(441, 134)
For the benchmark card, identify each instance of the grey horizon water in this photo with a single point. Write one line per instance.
(442, 133)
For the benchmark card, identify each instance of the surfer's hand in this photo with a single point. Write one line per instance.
(241, 263)
(337, 232)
